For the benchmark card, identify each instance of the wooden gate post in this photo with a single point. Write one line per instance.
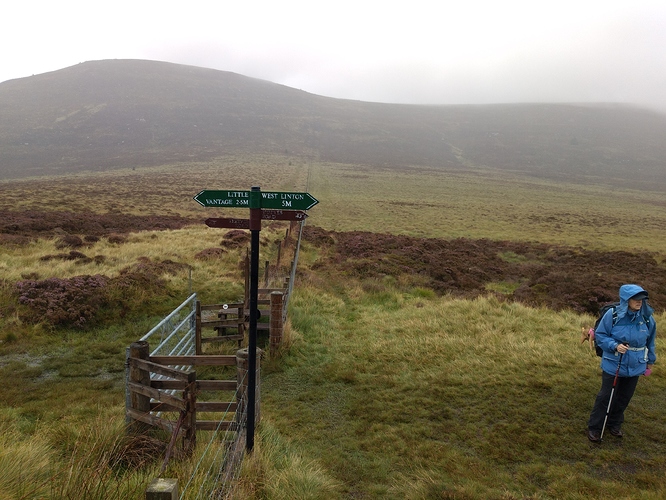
(190, 397)
(246, 271)
(139, 402)
(242, 365)
(279, 250)
(276, 324)
(241, 384)
(197, 330)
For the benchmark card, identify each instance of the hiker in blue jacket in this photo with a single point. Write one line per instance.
(626, 337)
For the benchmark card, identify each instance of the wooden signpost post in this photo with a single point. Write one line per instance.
(263, 205)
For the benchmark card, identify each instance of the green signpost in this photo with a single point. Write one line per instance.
(262, 205)
(241, 199)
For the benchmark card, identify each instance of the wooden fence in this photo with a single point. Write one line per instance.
(158, 391)
(230, 322)
(160, 386)
(164, 384)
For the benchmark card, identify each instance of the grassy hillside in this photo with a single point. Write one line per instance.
(435, 336)
(399, 394)
(420, 202)
(125, 113)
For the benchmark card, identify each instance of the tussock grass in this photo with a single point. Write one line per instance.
(401, 396)
(383, 389)
(94, 460)
(179, 245)
(276, 470)
(216, 279)
(25, 461)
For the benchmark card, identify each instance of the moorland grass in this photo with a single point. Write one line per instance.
(278, 470)
(491, 204)
(398, 396)
(214, 279)
(70, 459)
(417, 201)
(387, 390)
(165, 190)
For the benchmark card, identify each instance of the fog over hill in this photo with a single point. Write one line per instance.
(130, 113)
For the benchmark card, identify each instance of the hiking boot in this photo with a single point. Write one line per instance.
(594, 436)
(616, 432)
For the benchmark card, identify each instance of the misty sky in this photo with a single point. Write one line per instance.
(423, 52)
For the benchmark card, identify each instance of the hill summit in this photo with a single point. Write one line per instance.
(108, 114)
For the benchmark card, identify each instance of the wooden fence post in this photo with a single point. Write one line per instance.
(242, 365)
(241, 323)
(241, 384)
(162, 489)
(276, 326)
(190, 397)
(221, 330)
(197, 330)
(128, 393)
(139, 402)
(246, 271)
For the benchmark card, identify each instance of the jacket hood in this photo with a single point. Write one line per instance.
(628, 291)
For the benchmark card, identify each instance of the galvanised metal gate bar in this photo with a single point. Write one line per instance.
(174, 339)
(176, 334)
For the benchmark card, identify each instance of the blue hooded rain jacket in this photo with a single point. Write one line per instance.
(638, 329)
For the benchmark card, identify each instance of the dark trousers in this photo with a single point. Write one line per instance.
(624, 390)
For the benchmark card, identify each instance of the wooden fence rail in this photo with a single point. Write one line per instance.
(156, 389)
(232, 320)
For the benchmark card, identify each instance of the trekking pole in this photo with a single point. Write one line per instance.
(610, 399)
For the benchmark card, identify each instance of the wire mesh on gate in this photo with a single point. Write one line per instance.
(218, 466)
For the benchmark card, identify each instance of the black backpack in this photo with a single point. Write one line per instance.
(602, 313)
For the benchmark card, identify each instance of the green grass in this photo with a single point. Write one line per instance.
(416, 201)
(503, 287)
(491, 204)
(403, 397)
(386, 390)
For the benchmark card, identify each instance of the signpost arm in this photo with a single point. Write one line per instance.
(255, 227)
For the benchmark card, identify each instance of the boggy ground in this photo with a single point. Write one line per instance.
(536, 274)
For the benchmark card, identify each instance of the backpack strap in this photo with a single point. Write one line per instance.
(646, 319)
